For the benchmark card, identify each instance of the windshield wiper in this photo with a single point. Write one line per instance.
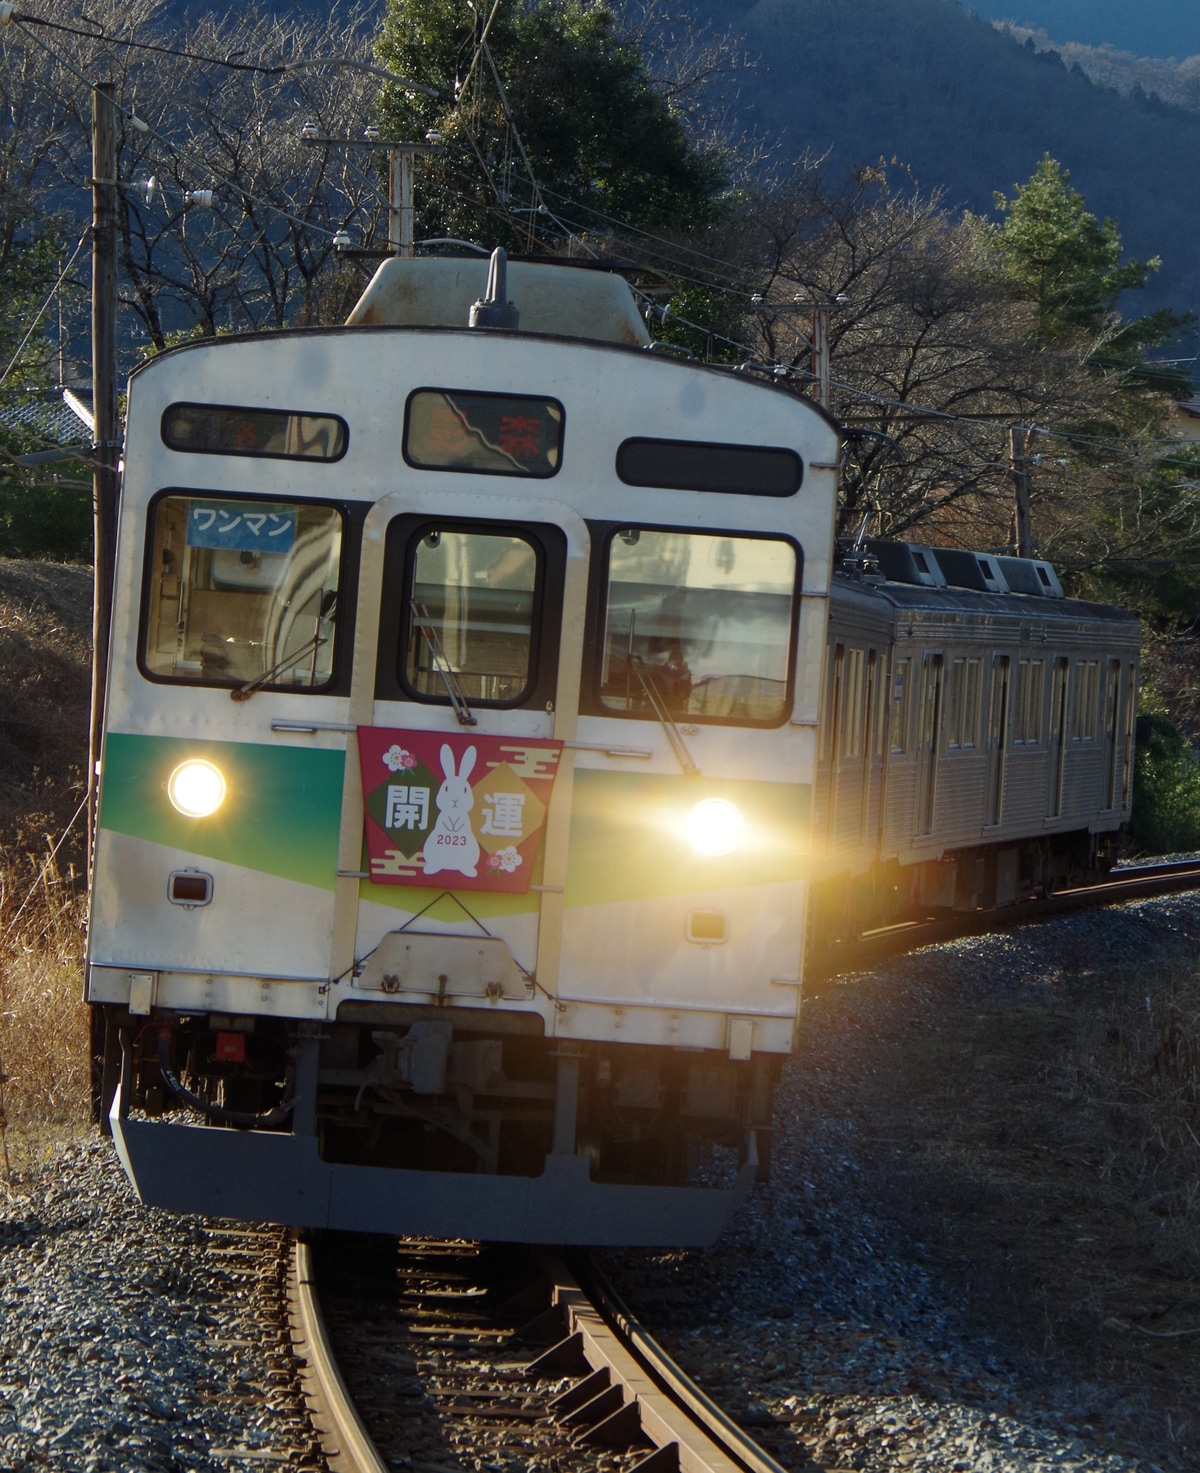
(441, 664)
(645, 674)
(309, 647)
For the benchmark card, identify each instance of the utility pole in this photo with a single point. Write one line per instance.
(820, 354)
(104, 410)
(817, 341)
(1020, 474)
(400, 198)
(400, 177)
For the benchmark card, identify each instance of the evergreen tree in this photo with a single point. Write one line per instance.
(549, 124)
(1068, 263)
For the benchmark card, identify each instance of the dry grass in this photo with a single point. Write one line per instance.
(43, 1020)
(1135, 1066)
(45, 620)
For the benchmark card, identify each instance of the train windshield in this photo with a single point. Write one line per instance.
(699, 624)
(242, 591)
(470, 615)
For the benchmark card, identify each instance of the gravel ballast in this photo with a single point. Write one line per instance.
(832, 1318)
(826, 1320)
(131, 1339)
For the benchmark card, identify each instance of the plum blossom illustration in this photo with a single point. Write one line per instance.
(506, 859)
(398, 759)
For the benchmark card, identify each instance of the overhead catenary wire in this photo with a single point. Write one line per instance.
(482, 49)
(265, 69)
(179, 152)
(41, 312)
(506, 212)
(864, 395)
(24, 19)
(571, 230)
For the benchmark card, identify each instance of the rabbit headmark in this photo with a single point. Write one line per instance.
(452, 845)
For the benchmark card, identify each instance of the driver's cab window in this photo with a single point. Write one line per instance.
(470, 615)
(699, 625)
(242, 591)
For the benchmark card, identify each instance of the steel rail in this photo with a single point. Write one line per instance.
(680, 1385)
(686, 1429)
(1136, 882)
(348, 1446)
(631, 1390)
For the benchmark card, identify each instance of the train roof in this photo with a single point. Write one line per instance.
(554, 302)
(432, 291)
(968, 601)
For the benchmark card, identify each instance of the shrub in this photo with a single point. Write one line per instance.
(1166, 789)
(46, 522)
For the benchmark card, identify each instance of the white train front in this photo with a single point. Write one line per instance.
(458, 769)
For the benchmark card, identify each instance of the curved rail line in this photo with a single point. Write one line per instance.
(743, 1451)
(1135, 882)
(625, 1387)
(348, 1446)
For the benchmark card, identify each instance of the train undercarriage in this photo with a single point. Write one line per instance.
(960, 881)
(410, 1119)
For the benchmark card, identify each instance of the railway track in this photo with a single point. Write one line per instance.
(436, 1357)
(1134, 882)
(463, 1356)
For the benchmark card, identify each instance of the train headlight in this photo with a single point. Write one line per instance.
(196, 788)
(715, 827)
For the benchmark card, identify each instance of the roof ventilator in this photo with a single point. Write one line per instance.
(495, 310)
(977, 570)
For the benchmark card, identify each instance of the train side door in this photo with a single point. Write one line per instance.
(997, 737)
(928, 737)
(1058, 735)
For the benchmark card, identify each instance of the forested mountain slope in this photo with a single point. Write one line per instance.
(966, 106)
(1152, 28)
(1173, 81)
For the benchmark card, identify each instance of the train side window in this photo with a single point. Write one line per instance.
(870, 720)
(698, 626)
(1110, 723)
(1130, 718)
(852, 725)
(972, 685)
(965, 685)
(241, 591)
(833, 705)
(882, 713)
(1028, 724)
(899, 703)
(469, 615)
(1087, 691)
(954, 726)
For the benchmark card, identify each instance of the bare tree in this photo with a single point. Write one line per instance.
(934, 356)
(261, 254)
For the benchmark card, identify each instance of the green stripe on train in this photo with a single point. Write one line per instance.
(628, 840)
(281, 814)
